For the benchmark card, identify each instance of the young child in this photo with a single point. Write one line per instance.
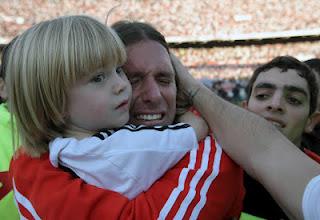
(67, 87)
(8, 209)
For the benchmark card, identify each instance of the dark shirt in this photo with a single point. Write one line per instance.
(258, 201)
(312, 141)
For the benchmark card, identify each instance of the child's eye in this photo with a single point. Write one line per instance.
(119, 70)
(98, 78)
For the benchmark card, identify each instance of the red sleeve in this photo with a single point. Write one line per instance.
(312, 155)
(205, 184)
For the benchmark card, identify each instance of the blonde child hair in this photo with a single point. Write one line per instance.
(44, 62)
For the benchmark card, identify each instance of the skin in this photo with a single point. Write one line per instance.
(151, 74)
(99, 100)
(255, 145)
(152, 95)
(283, 99)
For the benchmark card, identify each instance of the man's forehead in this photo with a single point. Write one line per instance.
(281, 79)
(148, 56)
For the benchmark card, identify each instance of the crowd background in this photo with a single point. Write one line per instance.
(221, 41)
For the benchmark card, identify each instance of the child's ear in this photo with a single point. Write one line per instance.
(313, 120)
(244, 104)
(3, 90)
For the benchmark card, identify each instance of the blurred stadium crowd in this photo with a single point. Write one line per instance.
(191, 20)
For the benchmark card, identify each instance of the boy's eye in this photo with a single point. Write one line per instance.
(98, 78)
(294, 101)
(262, 96)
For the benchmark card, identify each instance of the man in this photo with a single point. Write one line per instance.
(260, 148)
(263, 144)
(283, 91)
(312, 140)
(8, 209)
(205, 184)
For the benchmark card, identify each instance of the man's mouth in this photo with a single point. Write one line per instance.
(277, 123)
(149, 117)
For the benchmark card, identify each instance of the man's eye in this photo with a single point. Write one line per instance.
(165, 80)
(294, 101)
(262, 96)
(134, 80)
(98, 78)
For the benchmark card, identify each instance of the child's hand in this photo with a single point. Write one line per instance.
(197, 123)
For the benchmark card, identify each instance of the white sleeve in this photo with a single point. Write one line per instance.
(130, 160)
(311, 200)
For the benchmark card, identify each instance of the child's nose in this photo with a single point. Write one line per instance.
(119, 85)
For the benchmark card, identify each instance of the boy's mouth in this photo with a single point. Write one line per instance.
(277, 123)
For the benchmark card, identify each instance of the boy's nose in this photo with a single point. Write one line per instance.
(276, 104)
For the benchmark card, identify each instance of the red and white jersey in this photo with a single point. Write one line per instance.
(312, 155)
(205, 184)
(127, 160)
(311, 200)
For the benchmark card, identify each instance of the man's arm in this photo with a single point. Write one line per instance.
(201, 184)
(255, 144)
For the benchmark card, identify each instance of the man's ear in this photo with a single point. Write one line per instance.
(244, 104)
(313, 120)
(3, 90)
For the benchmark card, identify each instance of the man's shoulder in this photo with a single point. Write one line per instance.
(225, 161)
(24, 168)
(312, 155)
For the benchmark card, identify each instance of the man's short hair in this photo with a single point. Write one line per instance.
(288, 62)
(4, 61)
(314, 64)
(4, 57)
(132, 32)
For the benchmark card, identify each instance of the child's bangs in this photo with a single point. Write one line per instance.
(100, 48)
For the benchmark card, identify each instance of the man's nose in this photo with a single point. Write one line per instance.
(150, 91)
(276, 104)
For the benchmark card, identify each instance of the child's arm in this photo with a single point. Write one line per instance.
(127, 161)
(199, 125)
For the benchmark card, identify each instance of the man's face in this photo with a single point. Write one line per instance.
(152, 77)
(282, 98)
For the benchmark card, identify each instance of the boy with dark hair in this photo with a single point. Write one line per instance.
(283, 91)
(312, 140)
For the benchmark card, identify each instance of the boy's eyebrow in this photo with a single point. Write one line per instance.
(296, 89)
(288, 88)
(265, 86)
